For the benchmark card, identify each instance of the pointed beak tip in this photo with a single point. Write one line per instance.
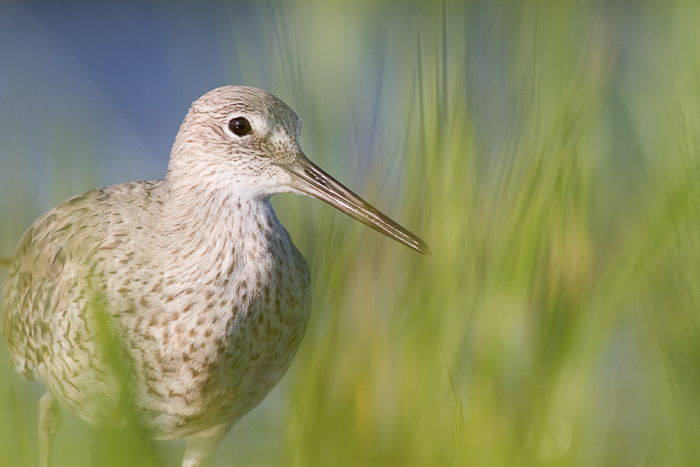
(425, 250)
(422, 248)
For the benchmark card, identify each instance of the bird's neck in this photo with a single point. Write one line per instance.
(211, 230)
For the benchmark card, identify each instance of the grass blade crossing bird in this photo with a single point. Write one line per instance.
(201, 283)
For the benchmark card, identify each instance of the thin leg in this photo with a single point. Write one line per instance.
(200, 446)
(49, 420)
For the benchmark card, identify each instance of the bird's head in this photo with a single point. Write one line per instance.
(246, 141)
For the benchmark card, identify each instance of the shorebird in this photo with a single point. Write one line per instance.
(194, 274)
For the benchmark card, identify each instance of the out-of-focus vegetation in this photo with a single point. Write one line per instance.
(548, 152)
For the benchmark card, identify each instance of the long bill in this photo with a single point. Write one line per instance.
(310, 179)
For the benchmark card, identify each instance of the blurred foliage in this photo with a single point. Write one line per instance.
(548, 152)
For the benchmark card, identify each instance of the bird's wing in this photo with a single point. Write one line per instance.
(52, 274)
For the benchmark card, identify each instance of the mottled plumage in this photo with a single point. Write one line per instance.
(193, 273)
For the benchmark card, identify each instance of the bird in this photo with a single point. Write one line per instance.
(194, 275)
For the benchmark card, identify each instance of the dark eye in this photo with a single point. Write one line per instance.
(239, 126)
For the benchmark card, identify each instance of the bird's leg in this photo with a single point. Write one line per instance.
(49, 420)
(200, 446)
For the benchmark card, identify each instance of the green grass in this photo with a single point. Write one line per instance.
(548, 152)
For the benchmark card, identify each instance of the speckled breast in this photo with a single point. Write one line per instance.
(218, 356)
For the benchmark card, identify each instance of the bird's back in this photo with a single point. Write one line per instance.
(54, 281)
